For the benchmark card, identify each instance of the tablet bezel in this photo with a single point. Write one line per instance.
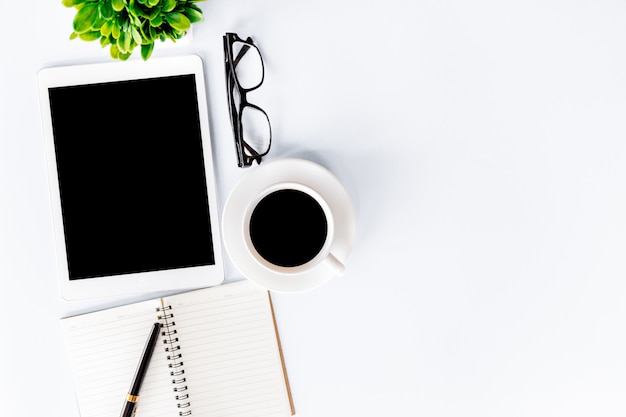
(141, 282)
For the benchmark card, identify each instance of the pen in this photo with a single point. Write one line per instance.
(133, 394)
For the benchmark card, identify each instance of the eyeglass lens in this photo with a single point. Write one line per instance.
(255, 129)
(247, 64)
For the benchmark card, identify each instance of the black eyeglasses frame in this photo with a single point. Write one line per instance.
(246, 154)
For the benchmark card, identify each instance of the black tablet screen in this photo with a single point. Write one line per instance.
(131, 176)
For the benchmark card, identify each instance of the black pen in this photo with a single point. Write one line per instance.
(133, 394)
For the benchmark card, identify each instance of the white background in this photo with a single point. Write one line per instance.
(483, 144)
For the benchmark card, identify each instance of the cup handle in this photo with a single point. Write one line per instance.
(335, 264)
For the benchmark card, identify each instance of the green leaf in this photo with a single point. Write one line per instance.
(106, 28)
(120, 43)
(131, 8)
(136, 35)
(139, 11)
(193, 6)
(72, 3)
(145, 33)
(73, 36)
(135, 20)
(106, 9)
(118, 5)
(154, 12)
(123, 42)
(85, 18)
(114, 51)
(124, 56)
(153, 3)
(168, 5)
(104, 41)
(89, 36)
(115, 30)
(97, 25)
(156, 21)
(124, 22)
(146, 50)
(193, 15)
(178, 21)
(129, 43)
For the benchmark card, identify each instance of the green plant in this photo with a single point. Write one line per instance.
(125, 24)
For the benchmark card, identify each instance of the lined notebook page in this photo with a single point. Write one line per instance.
(230, 363)
(104, 349)
(230, 352)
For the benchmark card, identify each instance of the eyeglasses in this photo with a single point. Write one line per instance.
(244, 73)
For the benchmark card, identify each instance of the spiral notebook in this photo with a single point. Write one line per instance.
(220, 355)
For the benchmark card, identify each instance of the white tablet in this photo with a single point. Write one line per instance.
(131, 177)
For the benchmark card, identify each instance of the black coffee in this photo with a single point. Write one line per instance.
(288, 228)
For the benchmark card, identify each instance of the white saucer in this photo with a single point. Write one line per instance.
(252, 184)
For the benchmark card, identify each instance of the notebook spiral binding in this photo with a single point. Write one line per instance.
(175, 358)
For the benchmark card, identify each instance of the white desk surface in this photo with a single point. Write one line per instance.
(484, 145)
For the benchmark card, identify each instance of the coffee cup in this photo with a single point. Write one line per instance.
(289, 225)
(289, 229)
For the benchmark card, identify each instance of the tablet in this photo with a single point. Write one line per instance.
(131, 177)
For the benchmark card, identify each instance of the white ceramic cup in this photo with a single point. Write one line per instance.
(323, 259)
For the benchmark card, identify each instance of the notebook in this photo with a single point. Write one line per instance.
(220, 355)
